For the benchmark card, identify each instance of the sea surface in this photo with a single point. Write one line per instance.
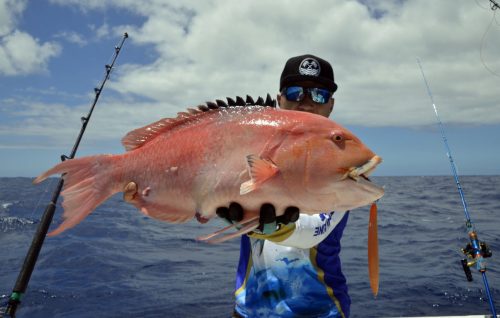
(120, 263)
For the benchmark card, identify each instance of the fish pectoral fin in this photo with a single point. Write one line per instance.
(259, 170)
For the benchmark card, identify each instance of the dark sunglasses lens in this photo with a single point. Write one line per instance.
(294, 93)
(320, 95)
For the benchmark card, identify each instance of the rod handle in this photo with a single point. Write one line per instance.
(467, 271)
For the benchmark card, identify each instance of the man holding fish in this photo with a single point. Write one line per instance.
(290, 265)
(276, 173)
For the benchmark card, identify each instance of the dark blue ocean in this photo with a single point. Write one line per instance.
(119, 263)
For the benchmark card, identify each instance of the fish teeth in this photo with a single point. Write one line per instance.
(365, 169)
(354, 177)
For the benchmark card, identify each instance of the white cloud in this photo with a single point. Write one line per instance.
(212, 49)
(56, 125)
(9, 13)
(72, 37)
(97, 33)
(102, 31)
(21, 53)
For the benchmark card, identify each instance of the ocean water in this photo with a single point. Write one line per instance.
(120, 263)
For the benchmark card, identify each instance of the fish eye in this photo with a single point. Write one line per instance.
(338, 138)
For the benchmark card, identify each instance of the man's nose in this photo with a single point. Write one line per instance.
(306, 104)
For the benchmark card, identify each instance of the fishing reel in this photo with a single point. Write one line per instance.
(475, 256)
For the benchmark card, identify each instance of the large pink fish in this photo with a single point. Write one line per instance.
(177, 168)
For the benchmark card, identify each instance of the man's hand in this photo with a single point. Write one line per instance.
(268, 222)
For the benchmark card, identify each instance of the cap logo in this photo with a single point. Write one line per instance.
(309, 66)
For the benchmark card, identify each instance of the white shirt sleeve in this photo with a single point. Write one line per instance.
(310, 230)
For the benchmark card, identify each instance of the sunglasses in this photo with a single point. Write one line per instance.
(297, 94)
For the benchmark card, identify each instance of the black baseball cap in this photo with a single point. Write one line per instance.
(307, 68)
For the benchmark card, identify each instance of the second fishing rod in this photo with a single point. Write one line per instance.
(475, 251)
(39, 237)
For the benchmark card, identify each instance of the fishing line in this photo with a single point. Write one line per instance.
(482, 45)
(51, 180)
(493, 6)
(479, 5)
(41, 196)
(475, 251)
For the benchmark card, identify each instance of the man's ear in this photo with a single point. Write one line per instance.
(333, 104)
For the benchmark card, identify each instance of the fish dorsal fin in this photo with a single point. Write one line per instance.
(141, 136)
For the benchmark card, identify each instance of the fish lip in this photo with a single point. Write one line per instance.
(364, 170)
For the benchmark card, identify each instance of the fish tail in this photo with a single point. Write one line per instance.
(88, 182)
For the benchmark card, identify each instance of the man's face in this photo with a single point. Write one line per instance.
(307, 104)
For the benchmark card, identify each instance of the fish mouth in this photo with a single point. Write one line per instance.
(364, 170)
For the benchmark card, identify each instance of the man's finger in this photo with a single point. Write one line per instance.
(267, 219)
(235, 212)
(222, 212)
(291, 215)
(130, 191)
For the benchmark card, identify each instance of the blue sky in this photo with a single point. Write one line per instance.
(182, 53)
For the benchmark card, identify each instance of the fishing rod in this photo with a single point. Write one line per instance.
(39, 237)
(475, 251)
